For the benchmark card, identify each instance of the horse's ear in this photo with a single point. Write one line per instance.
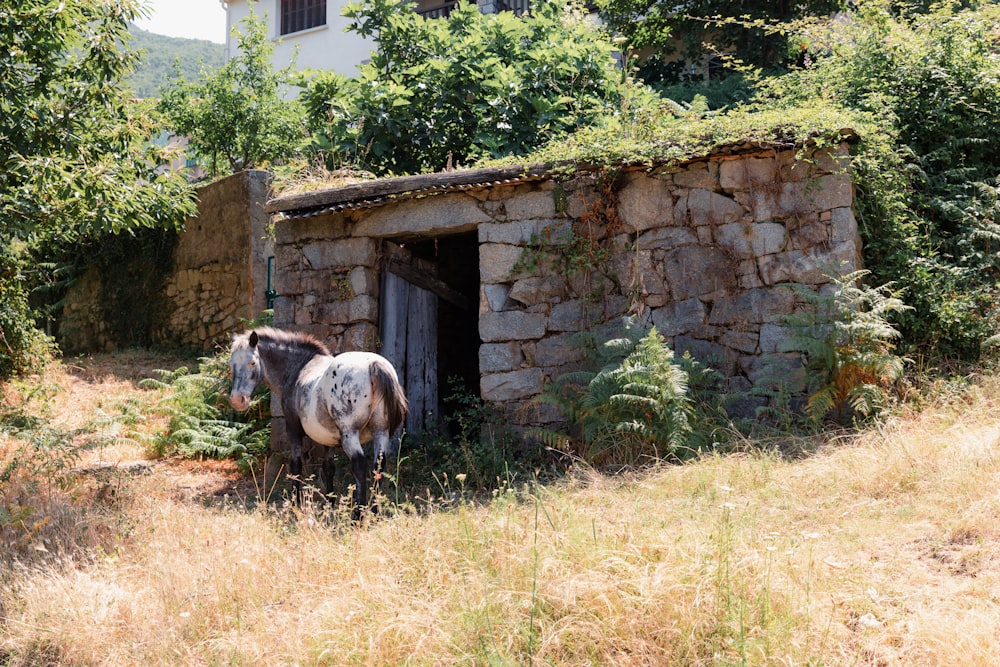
(253, 339)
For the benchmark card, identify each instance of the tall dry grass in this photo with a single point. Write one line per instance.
(878, 549)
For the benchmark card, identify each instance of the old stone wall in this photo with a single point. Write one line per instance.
(702, 251)
(220, 264)
(218, 276)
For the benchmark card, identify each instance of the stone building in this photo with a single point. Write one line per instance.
(487, 276)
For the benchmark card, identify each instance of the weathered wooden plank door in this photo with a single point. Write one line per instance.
(408, 331)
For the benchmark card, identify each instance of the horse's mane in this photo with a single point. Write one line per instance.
(291, 339)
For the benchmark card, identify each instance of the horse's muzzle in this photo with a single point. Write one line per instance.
(239, 401)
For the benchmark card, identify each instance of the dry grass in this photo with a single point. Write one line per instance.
(878, 550)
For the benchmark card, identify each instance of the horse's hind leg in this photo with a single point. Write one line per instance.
(351, 442)
(329, 470)
(381, 453)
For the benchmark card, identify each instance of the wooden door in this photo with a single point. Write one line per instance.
(408, 330)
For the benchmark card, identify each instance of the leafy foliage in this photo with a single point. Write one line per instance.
(847, 341)
(677, 38)
(635, 408)
(22, 346)
(237, 117)
(202, 424)
(76, 158)
(449, 91)
(931, 83)
(75, 148)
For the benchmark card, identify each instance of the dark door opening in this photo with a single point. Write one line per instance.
(430, 325)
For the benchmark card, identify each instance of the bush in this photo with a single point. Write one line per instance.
(23, 347)
(847, 341)
(202, 423)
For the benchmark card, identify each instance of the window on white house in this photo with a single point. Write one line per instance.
(299, 15)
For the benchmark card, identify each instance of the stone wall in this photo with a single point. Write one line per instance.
(702, 251)
(218, 276)
(220, 263)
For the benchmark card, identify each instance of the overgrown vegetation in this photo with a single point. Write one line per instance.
(417, 105)
(77, 157)
(847, 342)
(926, 169)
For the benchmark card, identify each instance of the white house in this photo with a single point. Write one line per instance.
(318, 32)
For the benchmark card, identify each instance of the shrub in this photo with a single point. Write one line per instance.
(926, 199)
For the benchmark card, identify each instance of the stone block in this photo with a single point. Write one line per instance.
(538, 289)
(741, 341)
(500, 357)
(340, 254)
(698, 271)
(525, 204)
(511, 386)
(747, 173)
(364, 309)
(493, 298)
(798, 266)
(575, 315)
(364, 280)
(710, 208)
(752, 239)
(773, 337)
(682, 317)
(496, 261)
(440, 214)
(667, 237)
(511, 325)
(844, 226)
(809, 233)
(829, 192)
(753, 307)
(555, 351)
(646, 203)
(523, 232)
(701, 175)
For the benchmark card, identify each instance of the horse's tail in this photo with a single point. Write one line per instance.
(386, 388)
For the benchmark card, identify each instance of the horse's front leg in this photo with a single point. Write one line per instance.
(351, 442)
(295, 434)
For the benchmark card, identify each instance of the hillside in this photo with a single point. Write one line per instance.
(874, 549)
(159, 54)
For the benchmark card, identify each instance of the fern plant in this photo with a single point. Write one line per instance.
(635, 408)
(202, 424)
(847, 341)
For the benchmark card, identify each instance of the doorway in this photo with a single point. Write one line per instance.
(429, 324)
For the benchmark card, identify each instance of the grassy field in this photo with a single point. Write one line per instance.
(873, 549)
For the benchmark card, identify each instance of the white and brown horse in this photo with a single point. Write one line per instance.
(342, 400)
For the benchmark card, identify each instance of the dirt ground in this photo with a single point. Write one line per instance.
(80, 393)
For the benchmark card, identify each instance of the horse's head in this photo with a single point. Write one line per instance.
(245, 368)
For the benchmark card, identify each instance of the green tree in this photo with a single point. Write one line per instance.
(237, 117)
(75, 155)
(675, 36)
(461, 88)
